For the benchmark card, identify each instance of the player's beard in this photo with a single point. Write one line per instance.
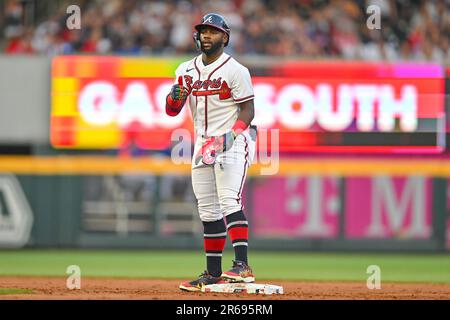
(215, 46)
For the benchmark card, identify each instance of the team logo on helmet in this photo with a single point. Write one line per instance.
(214, 20)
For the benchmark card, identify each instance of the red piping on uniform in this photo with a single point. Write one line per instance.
(245, 171)
(218, 68)
(240, 99)
(196, 68)
(196, 97)
(196, 103)
(206, 115)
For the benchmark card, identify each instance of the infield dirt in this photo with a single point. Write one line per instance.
(162, 289)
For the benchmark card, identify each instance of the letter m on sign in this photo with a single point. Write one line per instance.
(398, 211)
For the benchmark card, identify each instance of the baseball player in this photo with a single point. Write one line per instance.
(219, 93)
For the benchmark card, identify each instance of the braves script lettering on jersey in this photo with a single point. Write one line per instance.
(214, 93)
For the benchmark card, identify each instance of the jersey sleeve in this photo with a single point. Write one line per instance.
(241, 85)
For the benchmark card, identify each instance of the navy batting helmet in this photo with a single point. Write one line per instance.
(213, 20)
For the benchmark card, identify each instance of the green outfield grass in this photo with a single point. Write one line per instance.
(187, 264)
(14, 291)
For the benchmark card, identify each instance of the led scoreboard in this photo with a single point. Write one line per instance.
(105, 102)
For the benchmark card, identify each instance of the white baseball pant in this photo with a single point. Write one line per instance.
(218, 187)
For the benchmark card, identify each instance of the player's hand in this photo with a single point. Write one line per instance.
(213, 146)
(178, 93)
(208, 152)
(227, 140)
(176, 98)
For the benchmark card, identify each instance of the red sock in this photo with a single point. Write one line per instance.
(214, 238)
(237, 226)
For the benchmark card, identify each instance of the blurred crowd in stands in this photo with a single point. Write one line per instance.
(410, 29)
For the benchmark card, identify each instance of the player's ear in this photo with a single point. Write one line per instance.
(225, 39)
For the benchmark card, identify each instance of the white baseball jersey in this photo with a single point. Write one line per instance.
(214, 93)
(215, 90)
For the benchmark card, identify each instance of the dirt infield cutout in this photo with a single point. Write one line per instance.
(115, 288)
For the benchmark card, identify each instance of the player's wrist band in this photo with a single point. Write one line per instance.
(239, 126)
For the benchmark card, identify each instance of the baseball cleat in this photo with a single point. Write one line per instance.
(204, 279)
(240, 272)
